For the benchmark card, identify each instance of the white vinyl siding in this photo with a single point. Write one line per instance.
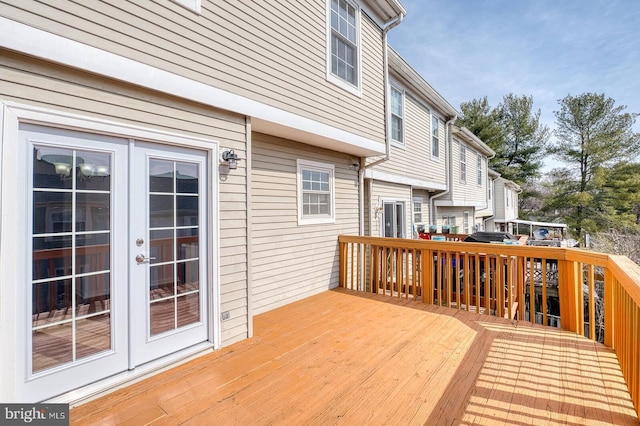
(315, 192)
(289, 261)
(412, 160)
(397, 116)
(385, 192)
(53, 87)
(270, 52)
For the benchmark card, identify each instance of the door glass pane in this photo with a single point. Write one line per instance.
(174, 233)
(52, 212)
(92, 212)
(399, 219)
(71, 315)
(94, 335)
(93, 253)
(52, 346)
(162, 316)
(161, 245)
(160, 175)
(93, 171)
(52, 167)
(188, 243)
(388, 220)
(187, 174)
(188, 309)
(161, 211)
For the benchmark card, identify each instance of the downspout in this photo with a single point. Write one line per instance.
(387, 136)
(448, 170)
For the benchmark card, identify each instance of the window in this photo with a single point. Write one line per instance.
(463, 163)
(479, 169)
(393, 219)
(490, 188)
(448, 220)
(190, 4)
(417, 211)
(435, 138)
(315, 193)
(507, 196)
(397, 114)
(465, 222)
(344, 50)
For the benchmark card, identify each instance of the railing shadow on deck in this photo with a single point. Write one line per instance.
(500, 280)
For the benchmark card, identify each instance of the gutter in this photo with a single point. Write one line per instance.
(448, 168)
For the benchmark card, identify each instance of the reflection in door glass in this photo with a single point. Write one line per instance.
(71, 256)
(174, 232)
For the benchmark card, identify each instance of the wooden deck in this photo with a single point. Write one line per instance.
(342, 357)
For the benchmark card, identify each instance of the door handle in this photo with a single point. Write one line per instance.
(140, 258)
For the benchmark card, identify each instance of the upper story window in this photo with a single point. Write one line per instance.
(463, 163)
(479, 169)
(507, 196)
(397, 115)
(190, 4)
(344, 51)
(489, 189)
(315, 193)
(435, 137)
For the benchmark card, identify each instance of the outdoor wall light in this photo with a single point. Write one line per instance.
(231, 158)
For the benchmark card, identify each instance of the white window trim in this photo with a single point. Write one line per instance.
(324, 167)
(463, 162)
(395, 142)
(434, 157)
(353, 89)
(193, 5)
(480, 162)
(465, 222)
(418, 200)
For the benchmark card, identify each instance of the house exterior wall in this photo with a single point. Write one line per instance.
(467, 192)
(270, 52)
(291, 261)
(413, 159)
(385, 191)
(29, 81)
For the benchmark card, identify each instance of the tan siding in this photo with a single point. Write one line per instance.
(32, 82)
(413, 160)
(267, 51)
(468, 192)
(388, 192)
(292, 261)
(426, 214)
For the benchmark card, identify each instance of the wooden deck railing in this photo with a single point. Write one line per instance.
(593, 294)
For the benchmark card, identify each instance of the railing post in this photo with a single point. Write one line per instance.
(343, 267)
(568, 291)
(608, 309)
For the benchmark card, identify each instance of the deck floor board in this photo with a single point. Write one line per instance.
(353, 358)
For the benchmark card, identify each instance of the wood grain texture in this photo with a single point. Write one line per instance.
(360, 358)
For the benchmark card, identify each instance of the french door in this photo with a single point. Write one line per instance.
(393, 219)
(117, 272)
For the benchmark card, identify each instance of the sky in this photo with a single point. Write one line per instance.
(547, 49)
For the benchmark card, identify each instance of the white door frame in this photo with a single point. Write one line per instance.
(13, 180)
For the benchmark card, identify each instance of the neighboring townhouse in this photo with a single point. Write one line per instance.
(398, 187)
(169, 169)
(462, 207)
(484, 215)
(505, 205)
